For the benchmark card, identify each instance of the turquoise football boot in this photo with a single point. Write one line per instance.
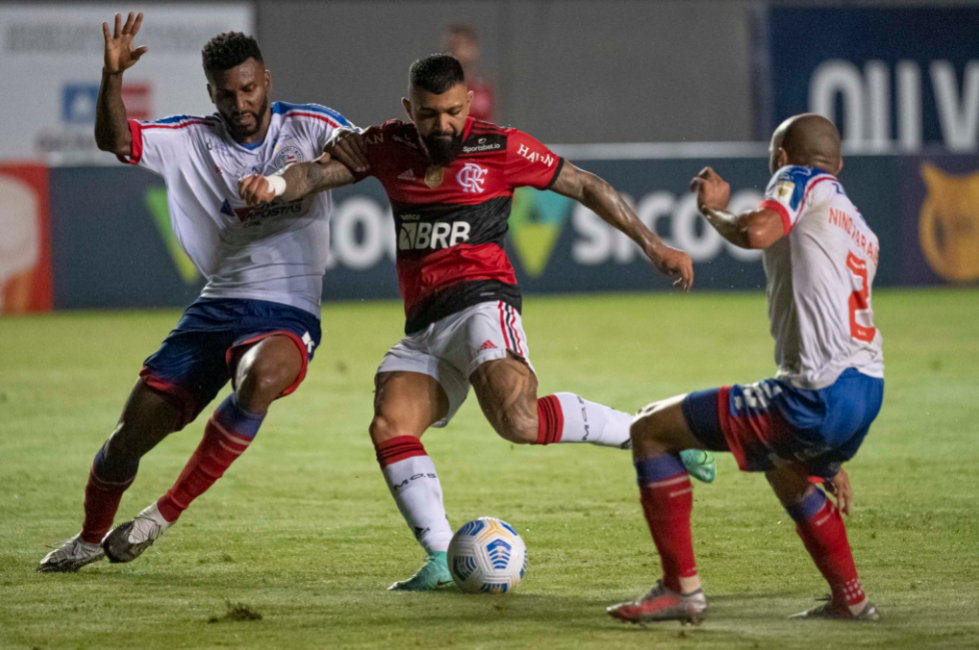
(700, 464)
(433, 575)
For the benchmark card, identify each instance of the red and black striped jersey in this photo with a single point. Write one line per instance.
(452, 221)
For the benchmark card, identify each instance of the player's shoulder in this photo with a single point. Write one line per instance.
(180, 122)
(290, 111)
(393, 133)
(489, 127)
(480, 127)
(800, 175)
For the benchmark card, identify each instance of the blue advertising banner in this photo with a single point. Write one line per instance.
(905, 77)
(112, 245)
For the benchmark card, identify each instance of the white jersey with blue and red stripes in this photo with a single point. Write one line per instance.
(820, 276)
(277, 252)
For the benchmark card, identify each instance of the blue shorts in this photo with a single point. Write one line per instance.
(197, 358)
(756, 422)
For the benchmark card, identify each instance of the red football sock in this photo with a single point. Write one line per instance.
(824, 535)
(227, 435)
(667, 501)
(108, 479)
(101, 503)
(550, 420)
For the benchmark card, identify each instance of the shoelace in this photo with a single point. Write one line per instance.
(656, 592)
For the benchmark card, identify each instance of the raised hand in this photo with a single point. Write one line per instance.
(119, 52)
(713, 192)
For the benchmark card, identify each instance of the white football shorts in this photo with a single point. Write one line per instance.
(451, 349)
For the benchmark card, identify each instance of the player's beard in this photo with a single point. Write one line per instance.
(240, 130)
(442, 150)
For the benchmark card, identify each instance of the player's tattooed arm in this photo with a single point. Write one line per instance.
(295, 182)
(111, 126)
(317, 176)
(601, 198)
(755, 229)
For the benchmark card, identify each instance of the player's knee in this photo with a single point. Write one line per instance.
(262, 382)
(650, 427)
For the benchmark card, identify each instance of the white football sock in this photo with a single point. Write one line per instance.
(585, 421)
(416, 489)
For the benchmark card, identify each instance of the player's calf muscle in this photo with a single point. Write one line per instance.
(517, 422)
(146, 419)
(662, 428)
(507, 392)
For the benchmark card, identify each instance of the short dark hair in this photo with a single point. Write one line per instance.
(436, 73)
(229, 50)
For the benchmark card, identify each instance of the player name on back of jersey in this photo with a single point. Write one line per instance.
(850, 226)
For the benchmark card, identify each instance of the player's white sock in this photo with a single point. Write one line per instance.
(566, 417)
(415, 486)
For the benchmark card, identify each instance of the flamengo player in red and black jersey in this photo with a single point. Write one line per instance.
(450, 180)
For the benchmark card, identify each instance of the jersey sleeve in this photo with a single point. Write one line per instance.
(530, 163)
(788, 190)
(162, 144)
(318, 122)
(377, 139)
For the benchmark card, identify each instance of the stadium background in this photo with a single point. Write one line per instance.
(631, 90)
(644, 93)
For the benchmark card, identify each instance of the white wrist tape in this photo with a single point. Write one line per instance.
(277, 184)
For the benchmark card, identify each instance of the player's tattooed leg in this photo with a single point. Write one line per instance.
(507, 392)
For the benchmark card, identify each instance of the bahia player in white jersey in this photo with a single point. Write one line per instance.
(257, 320)
(820, 260)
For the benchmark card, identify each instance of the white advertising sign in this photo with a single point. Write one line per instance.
(51, 66)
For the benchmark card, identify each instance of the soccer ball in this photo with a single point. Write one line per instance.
(487, 555)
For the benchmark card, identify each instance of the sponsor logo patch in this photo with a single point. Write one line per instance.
(422, 235)
(472, 178)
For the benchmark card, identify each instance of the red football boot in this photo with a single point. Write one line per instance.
(662, 604)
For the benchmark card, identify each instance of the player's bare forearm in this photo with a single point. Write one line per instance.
(111, 123)
(295, 182)
(313, 177)
(602, 199)
(730, 227)
(755, 229)
(111, 127)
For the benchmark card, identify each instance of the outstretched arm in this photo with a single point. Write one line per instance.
(602, 199)
(755, 229)
(111, 127)
(295, 182)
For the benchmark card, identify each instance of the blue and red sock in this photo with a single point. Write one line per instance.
(107, 481)
(819, 524)
(226, 437)
(667, 501)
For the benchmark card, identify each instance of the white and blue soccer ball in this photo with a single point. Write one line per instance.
(487, 555)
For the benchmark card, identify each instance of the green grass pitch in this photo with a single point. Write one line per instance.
(303, 531)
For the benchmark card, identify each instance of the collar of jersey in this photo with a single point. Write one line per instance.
(250, 148)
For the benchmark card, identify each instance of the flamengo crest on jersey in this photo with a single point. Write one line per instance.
(276, 252)
(820, 278)
(452, 222)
